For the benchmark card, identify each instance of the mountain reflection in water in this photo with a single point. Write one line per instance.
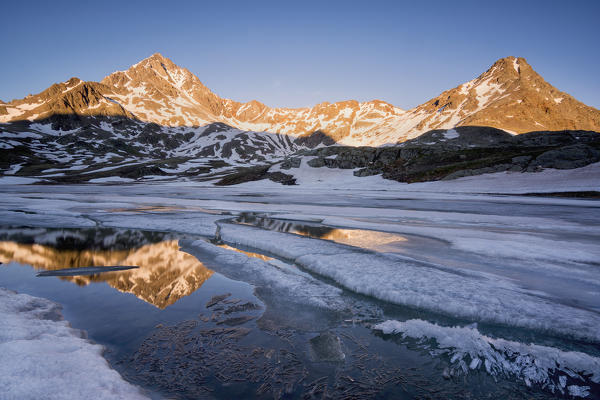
(366, 239)
(248, 253)
(165, 274)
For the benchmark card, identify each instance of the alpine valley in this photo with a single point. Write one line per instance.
(450, 251)
(157, 121)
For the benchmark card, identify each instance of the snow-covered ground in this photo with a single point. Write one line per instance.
(42, 357)
(550, 180)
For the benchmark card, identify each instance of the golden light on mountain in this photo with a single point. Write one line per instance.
(509, 96)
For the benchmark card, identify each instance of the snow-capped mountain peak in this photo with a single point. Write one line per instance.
(510, 95)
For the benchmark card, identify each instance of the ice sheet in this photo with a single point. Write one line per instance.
(274, 275)
(193, 223)
(474, 296)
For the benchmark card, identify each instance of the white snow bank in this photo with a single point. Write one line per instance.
(42, 357)
(476, 296)
(323, 177)
(17, 180)
(110, 179)
(548, 181)
(469, 350)
(451, 134)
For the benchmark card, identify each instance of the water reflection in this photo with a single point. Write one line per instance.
(366, 239)
(248, 253)
(148, 209)
(165, 274)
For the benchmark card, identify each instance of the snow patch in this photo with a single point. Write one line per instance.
(42, 357)
(17, 180)
(111, 179)
(451, 134)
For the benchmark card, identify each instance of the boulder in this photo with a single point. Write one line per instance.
(568, 157)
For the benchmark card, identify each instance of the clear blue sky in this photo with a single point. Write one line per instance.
(299, 53)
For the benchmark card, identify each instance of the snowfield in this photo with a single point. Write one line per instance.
(42, 357)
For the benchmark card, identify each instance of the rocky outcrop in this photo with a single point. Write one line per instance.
(257, 173)
(567, 157)
(464, 151)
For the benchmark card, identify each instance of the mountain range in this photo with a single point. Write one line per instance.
(158, 119)
(510, 96)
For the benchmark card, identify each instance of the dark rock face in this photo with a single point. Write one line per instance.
(465, 151)
(568, 157)
(314, 139)
(293, 162)
(257, 173)
(466, 136)
(282, 178)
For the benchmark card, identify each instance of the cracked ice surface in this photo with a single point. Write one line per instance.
(401, 280)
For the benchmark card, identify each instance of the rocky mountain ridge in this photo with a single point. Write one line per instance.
(509, 96)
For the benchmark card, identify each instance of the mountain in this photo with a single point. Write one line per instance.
(157, 121)
(509, 96)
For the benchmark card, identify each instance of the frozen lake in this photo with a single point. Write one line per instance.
(266, 291)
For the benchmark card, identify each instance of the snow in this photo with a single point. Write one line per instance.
(13, 169)
(110, 179)
(20, 135)
(578, 391)
(307, 176)
(17, 180)
(106, 159)
(47, 129)
(9, 144)
(548, 181)
(470, 350)
(485, 90)
(41, 356)
(451, 134)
